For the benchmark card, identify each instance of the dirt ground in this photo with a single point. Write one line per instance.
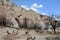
(7, 33)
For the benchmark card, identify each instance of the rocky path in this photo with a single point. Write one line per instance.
(22, 34)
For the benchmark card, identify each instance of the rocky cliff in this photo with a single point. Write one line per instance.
(16, 16)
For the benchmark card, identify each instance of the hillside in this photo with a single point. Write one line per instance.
(10, 10)
(17, 23)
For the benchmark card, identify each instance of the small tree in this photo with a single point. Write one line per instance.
(54, 22)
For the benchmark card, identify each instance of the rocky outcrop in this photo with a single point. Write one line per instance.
(12, 23)
(30, 19)
(7, 17)
(6, 3)
(9, 13)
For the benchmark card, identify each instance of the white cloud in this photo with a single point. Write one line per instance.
(44, 13)
(25, 7)
(40, 6)
(34, 7)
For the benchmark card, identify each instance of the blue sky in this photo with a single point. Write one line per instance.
(46, 7)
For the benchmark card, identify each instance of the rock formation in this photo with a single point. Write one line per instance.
(10, 14)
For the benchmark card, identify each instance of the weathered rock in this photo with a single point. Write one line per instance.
(7, 17)
(21, 22)
(30, 24)
(35, 20)
(12, 23)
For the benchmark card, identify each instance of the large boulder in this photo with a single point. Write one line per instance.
(11, 22)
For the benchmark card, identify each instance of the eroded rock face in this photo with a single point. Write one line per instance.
(6, 3)
(22, 22)
(12, 23)
(11, 19)
(27, 22)
(30, 24)
(7, 17)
